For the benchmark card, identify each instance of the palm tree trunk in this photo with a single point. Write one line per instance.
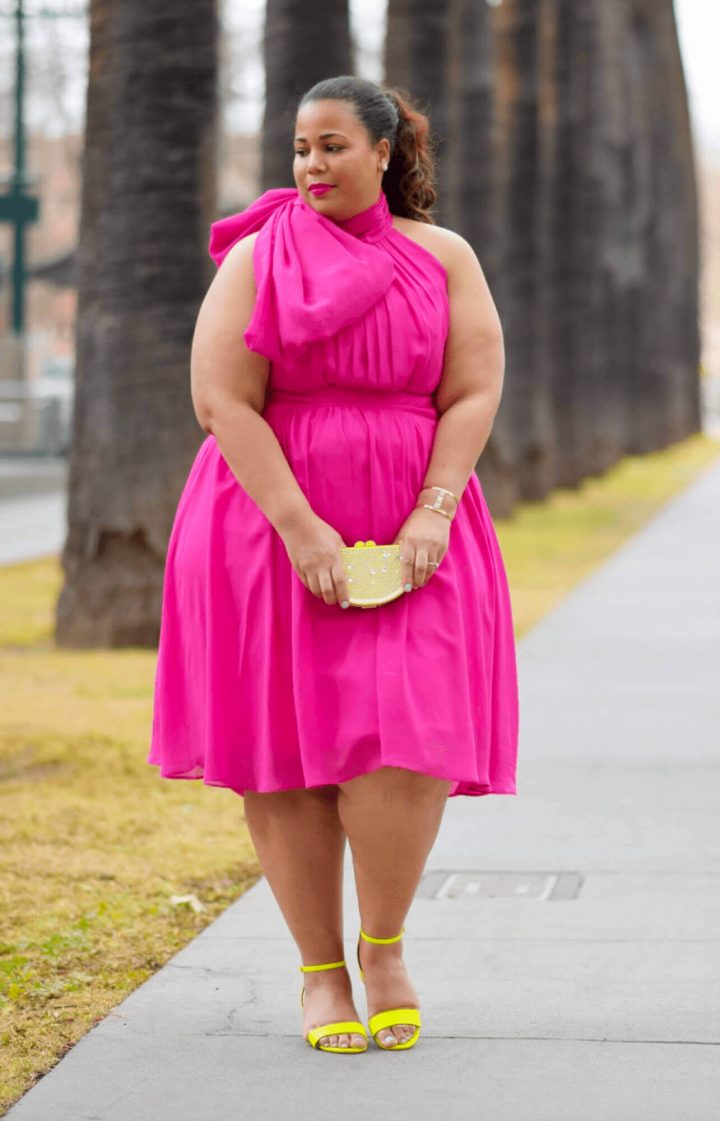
(526, 404)
(475, 208)
(417, 60)
(665, 393)
(305, 41)
(148, 197)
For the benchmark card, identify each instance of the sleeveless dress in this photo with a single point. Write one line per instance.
(259, 684)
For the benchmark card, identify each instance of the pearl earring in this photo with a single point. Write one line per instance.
(384, 166)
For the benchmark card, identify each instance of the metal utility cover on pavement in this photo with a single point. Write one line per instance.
(541, 886)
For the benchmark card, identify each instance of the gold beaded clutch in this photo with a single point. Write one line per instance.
(374, 573)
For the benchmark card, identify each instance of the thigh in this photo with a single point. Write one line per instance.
(300, 795)
(327, 793)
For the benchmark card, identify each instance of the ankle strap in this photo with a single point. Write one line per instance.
(368, 938)
(313, 968)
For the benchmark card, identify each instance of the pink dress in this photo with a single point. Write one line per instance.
(260, 685)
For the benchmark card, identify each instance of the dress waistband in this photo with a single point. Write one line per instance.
(360, 396)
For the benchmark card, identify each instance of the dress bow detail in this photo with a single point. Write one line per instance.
(313, 277)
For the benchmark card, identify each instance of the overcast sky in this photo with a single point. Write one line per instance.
(699, 32)
(56, 68)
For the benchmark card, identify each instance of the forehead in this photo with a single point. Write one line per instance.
(326, 118)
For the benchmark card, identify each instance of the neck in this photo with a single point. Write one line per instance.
(371, 223)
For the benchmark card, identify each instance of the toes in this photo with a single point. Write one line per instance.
(398, 1034)
(342, 1041)
(346, 1040)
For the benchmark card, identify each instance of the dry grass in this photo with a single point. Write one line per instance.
(94, 844)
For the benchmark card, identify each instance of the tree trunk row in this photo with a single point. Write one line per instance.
(569, 167)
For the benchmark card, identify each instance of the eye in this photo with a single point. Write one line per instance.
(330, 148)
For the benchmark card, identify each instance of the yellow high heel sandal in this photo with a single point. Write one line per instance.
(341, 1027)
(391, 1016)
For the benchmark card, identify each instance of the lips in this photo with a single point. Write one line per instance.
(320, 188)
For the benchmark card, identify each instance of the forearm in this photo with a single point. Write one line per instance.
(460, 437)
(256, 459)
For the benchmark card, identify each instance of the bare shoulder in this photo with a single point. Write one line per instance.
(236, 274)
(241, 252)
(450, 248)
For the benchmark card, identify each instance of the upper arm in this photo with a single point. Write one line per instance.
(474, 351)
(221, 365)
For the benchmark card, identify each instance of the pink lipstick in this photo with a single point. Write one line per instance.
(320, 188)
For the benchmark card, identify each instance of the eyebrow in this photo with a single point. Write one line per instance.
(324, 134)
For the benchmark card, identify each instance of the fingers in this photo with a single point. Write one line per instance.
(333, 585)
(422, 572)
(418, 567)
(330, 584)
(407, 558)
(342, 590)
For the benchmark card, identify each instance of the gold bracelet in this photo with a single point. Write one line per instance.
(439, 499)
(425, 506)
(443, 490)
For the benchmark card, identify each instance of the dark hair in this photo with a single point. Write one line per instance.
(390, 112)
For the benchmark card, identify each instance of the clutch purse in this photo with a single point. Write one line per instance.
(374, 573)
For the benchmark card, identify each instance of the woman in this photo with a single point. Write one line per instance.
(347, 358)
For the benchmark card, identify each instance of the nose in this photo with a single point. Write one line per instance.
(315, 163)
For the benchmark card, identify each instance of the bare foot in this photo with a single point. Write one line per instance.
(388, 986)
(328, 998)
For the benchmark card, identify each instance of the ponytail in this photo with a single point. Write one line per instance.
(409, 182)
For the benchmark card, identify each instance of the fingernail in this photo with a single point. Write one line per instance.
(345, 603)
(408, 587)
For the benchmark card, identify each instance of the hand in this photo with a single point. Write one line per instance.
(313, 547)
(423, 537)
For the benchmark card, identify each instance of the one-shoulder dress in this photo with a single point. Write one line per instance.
(261, 685)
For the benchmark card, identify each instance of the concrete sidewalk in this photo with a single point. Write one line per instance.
(33, 507)
(587, 990)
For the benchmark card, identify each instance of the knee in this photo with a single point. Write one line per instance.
(391, 783)
(328, 793)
